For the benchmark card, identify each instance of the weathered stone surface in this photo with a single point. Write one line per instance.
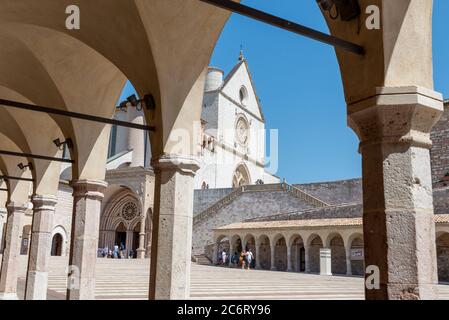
(87, 196)
(399, 231)
(39, 255)
(172, 228)
(9, 270)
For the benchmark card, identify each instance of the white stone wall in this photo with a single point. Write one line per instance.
(63, 215)
(221, 110)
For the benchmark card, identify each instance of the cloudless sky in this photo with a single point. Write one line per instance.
(299, 84)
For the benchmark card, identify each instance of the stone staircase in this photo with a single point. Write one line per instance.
(202, 260)
(294, 191)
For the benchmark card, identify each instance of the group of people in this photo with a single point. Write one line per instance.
(245, 260)
(118, 252)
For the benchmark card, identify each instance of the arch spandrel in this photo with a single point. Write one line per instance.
(390, 50)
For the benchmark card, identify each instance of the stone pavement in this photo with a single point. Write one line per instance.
(128, 279)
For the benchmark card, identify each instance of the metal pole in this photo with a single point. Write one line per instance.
(286, 25)
(16, 178)
(34, 156)
(76, 115)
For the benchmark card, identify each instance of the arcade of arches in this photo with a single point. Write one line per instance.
(324, 246)
(391, 106)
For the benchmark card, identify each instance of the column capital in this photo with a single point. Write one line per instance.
(16, 206)
(89, 188)
(44, 202)
(403, 115)
(183, 164)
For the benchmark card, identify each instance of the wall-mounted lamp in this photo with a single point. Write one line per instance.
(133, 101)
(345, 9)
(23, 166)
(68, 142)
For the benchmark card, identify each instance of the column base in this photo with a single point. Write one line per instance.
(9, 296)
(273, 269)
(141, 253)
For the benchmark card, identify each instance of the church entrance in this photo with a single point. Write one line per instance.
(120, 235)
(56, 245)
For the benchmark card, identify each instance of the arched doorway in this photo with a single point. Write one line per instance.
(26, 237)
(314, 253)
(250, 245)
(356, 256)
(298, 254)
(56, 245)
(241, 176)
(280, 254)
(264, 253)
(120, 235)
(221, 244)
(442, 244)
(338, 254)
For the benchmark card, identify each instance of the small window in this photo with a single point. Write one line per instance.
(243, 95)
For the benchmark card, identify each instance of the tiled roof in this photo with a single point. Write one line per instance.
(439, 218)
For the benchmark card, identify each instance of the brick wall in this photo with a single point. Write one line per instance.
(336, 192)
(254, 204)
(440, 151)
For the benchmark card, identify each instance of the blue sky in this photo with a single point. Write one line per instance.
(298, 82)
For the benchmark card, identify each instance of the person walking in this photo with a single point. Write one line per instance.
(116, 251)
(242, 259)
(249, 258)
(223, 257)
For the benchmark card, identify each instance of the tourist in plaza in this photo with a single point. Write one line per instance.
(243, 259)
(249, 258)
(223, 257)
(116, 251)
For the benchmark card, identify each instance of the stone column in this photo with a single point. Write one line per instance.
(215, 254)
(273, 255)
(8, 275)
(231, 252)
(87, 196)
(258, 265)
(289, 258)
(40, 247)
(141, 249)
(307, 259)
(172, 227)
(399, 231)
(3, 215)
(136, 138)
(348, 262)
(325, 262)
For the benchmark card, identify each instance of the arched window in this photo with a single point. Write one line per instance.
(243, 95)
(56, 245)
(241, 177)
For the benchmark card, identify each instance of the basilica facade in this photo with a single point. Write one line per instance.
(231, 154)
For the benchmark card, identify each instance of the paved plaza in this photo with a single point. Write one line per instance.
(128, 280)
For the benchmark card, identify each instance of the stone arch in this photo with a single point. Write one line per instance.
(336, 243)
(241, 176)
(298, 253)
(59, 245)
(314, 244)
(121, 214)
(280, 252)
(356, 254)
(249, 241)
(264, 254)
(221, 243)
(236, 244)
(442, 245)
